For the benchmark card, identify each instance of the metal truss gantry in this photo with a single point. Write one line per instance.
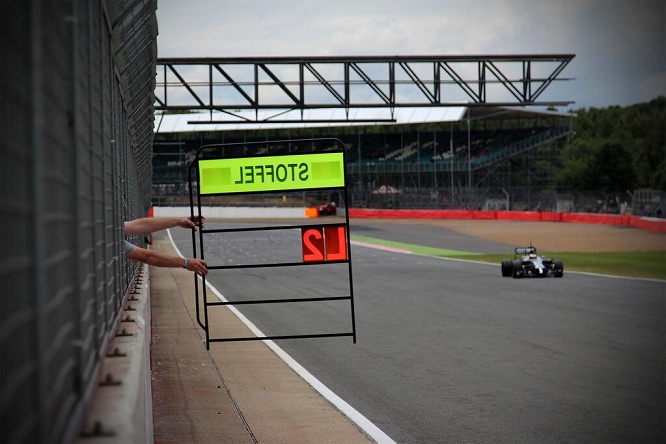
(284, 84)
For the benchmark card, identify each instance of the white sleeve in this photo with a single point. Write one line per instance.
(129, 247)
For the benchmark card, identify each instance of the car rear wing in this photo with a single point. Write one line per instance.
(526, 250)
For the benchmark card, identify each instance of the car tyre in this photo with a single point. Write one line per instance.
(507, 267)
(558, 268)
(517, 268)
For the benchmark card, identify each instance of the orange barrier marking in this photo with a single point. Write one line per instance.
(312, 212)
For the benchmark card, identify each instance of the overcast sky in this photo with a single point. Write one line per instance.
(620, 46)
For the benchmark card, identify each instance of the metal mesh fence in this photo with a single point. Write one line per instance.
(513, 199)
(77, 83)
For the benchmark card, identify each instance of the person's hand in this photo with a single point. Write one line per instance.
(191, 222)
(198, 266)
(198, 221)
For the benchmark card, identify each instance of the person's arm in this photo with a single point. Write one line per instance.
(159, 259)
(147, 225)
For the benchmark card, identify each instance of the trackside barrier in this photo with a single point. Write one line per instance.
(648, 223)
(312, 212)
(319, 244)
(644, 223)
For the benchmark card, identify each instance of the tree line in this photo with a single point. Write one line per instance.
(616, 149)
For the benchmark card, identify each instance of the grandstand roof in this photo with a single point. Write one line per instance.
(505, 113)
(272, 119)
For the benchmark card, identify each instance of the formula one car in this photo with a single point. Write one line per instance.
(531, 265)
(328, 209)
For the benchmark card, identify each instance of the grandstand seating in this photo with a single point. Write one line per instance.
(429, 149)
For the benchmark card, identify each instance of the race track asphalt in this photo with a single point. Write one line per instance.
(449, 351)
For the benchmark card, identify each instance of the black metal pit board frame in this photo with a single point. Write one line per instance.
(323, 165)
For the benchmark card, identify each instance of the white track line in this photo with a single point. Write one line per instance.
(381, 247)
(356, 417)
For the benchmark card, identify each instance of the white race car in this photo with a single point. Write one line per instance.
(530, 264)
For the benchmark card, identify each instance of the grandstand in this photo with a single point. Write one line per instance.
(475, 158)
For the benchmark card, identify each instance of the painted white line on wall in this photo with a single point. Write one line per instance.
(356, 417)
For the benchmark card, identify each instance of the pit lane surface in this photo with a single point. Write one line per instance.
(451, 351)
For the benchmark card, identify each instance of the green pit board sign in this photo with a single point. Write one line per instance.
(271, 173)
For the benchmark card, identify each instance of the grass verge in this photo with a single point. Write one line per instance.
(644, 264)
